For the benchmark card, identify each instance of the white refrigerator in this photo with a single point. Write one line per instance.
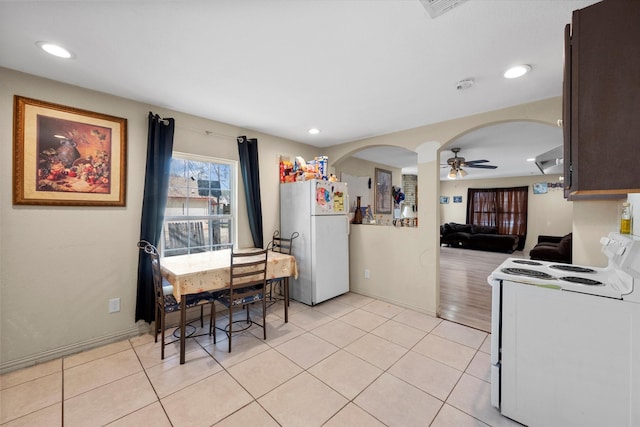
(318, 210)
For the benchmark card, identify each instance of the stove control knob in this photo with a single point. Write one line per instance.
(604, 240)
(620, 250)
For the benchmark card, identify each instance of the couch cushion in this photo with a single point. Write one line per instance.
(564, 247)
(494, 242)
(445, 229)
(461, 235)
(483, 229)
(548, 245)
(464, 228)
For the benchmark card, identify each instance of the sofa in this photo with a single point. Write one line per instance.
(553, 248)
(479, 237)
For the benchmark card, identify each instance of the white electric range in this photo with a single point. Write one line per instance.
(565, 343)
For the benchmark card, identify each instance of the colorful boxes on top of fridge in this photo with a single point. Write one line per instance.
(301, 170)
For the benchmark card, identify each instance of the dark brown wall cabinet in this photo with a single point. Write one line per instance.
(601, 97)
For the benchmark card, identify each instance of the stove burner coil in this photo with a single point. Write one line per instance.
(582, 281)
(572, 268)
(527, 272)
(526, 261)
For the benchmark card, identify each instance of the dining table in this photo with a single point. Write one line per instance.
(210, 271)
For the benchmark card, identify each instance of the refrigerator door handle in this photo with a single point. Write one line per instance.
(347, 206)
(346, 218)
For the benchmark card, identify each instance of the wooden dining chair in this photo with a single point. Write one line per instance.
(248, 279)
(284, 246)
(166, 302)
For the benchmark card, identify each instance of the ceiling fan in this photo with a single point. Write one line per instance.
(456, 163)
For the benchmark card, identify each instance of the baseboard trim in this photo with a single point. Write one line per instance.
(395, 302)
(69, 349)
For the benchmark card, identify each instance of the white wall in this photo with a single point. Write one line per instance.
(363, 168)
(634, 199)
(59, 266)
(591, 221)
(588, 223)
(397, 263)
(548, 214)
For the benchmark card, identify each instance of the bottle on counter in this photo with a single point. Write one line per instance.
(625, 218)
(357, 217)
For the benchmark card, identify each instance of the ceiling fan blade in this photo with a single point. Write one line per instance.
(470, 162)
(481, 166)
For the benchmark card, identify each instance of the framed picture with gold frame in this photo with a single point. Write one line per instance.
(383, 187)
(65, 156)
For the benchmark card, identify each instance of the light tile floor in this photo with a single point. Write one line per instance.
(351, 361)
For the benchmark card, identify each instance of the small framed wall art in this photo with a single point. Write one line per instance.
(540, 188)
(64, 156)
(457, 199)
(383, 191)
(444, 200)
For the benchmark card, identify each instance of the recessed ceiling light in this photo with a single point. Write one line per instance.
(54, 49)
(531, 160)
(314, 131)
(517, 71)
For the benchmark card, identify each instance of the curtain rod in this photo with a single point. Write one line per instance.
(165, 121)
(162, 120)
(206, 132)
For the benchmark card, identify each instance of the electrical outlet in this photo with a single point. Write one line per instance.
(366, 273)
(114, 305)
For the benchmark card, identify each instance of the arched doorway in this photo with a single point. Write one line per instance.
(464, 295)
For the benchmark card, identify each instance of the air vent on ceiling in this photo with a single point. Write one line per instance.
(436, 8)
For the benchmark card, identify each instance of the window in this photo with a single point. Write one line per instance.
(504, 208)
(200, 208)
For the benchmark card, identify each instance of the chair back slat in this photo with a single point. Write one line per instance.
(282, 244)
(248, 280)
(248, 269)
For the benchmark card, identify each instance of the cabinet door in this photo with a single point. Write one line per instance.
(566, 112)
(605, 99)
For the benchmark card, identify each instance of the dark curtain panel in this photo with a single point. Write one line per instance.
(248, 150)
(481, 206)
(156, 185)
(504, 208)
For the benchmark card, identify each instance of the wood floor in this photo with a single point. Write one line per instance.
(465, 295)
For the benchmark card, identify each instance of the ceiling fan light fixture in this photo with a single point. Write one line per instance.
(517, 71)
(457, 163)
